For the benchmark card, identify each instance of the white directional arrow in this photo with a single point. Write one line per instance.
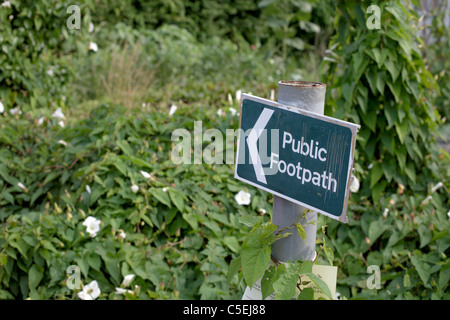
(252, 141)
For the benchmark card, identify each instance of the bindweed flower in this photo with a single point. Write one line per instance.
(21, 186)
(127, 280)
(2, 107)
(220, 112)
(238, 95)
(62, 142)
(88, 189)
(92, 226)
(91, 27)
(90, 291)
(121, 235)
(134, 188)
(123, 291)
(233, 111)
(93, 46)
(354, 186)
(164, 189)
(242, 198)
(41, 121)
(172, 110)
(145, 174)
(230, 98)
(61, 124)
(385, 213)
(262, 211)
(15, 110)
(6, 4)
(58, 114)
(448, 214)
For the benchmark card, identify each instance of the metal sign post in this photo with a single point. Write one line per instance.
(308, 96)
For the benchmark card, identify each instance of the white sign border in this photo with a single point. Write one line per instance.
(352, 126)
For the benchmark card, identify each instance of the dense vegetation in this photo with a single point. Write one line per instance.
(87, 116)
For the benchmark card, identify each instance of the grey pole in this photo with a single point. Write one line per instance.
(308, 96)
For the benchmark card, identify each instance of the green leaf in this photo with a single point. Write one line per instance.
(161, 196)
(35, 275)
(286, 284)
(376, 174)
(233, 269)
(381, 82)
(255, 252)
(393, 68)
(321, 284)
(424, 234)
(254, 261)
(232, 243)
(396, 89)
(177, 198)
(301, 231)
(376, 229)
(421, 267)
(378, 189)
(370, 119)
(329, 253)
(306, 294)
(270, 276)
(306, 267)
(411, 171)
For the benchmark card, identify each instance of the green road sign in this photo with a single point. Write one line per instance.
(298, 155)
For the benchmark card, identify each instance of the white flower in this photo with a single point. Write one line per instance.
(146, 174)
(58, 114)
(121, 234)
(230, 98)
(238, 95)
(21, 186)
(426, 200)
(127, 280)
(370, 166)
(6, 4)
(62, 142)
(262, 211)
(50, 72)
(91, 27)
(242, 198)
(385, 213)
(122, 291)
(436, 187)
(172, 110)
(233, 111)
(88, 189)
(90, 291)
(61, 124)
(448, 214)
(220, 112)
(354, 186)
(41, 121)
(134, 188)
(93, 46)
(164, 189)
(15, 111)
(92, 226)
(2, 107)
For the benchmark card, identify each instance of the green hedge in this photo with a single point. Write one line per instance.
(181, 227)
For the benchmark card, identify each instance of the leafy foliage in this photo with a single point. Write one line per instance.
(181, 226)
(386, 88)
